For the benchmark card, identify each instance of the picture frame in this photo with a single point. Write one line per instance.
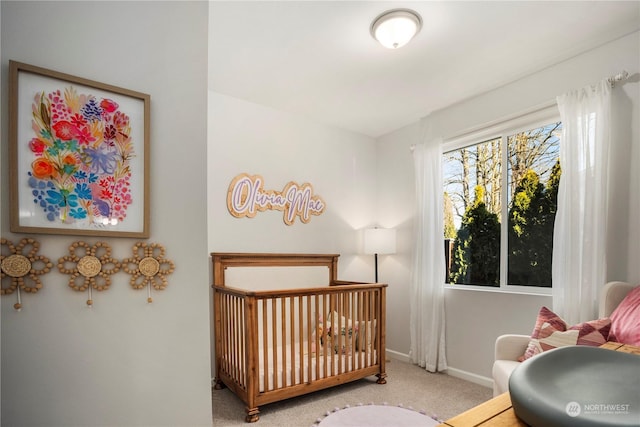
(78, 155)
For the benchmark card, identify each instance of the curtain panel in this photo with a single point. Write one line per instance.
(428, 273)
(579, 241)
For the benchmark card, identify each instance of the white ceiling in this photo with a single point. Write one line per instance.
(317, 58)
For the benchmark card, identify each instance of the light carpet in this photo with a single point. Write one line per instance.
(408, 384)
(376, 416)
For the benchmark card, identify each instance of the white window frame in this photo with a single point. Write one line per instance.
(503, 128)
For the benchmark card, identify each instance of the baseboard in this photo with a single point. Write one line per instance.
(458, 373)
(398, 356)
(468, 376)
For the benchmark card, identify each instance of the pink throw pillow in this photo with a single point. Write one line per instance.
(625, 319)
(551, 332)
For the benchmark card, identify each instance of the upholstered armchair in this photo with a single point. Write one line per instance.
(508, 348)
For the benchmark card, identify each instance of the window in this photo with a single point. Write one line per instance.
(500, 199)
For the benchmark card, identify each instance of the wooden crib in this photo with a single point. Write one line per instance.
(271, 345)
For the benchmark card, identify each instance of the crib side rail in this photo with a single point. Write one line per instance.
(273, 342)
(334, 287)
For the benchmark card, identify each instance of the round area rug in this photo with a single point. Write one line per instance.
(376, 416)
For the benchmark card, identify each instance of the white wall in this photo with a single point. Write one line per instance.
(474, 318)
(123, 362)
(281, 147)
(340, 165)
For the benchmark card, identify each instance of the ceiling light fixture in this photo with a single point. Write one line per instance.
(395, 28)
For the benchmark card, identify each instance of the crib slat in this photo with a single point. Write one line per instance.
(221, 345)
(274, 330)
(237, 328)
(292, 341)
(229, 349)
(318, 345)
(329, 338)
(354, 316)
(341, 338)
(230, 338)
(244, 344)
(235, 331)
(361, 327)
(367, 331)
(265, 346)
(232, 358)
(283, 340)
(325, 341)
(300, 340)
(224, 316)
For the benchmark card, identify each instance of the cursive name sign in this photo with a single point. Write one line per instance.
(246, 197)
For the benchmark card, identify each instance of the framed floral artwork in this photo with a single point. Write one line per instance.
(78, 155)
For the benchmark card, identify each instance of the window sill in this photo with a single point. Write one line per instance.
(517, 290)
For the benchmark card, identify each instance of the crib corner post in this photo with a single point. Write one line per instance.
(382, 336)
(253, 415)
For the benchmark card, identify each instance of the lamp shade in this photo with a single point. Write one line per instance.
(395, 28)
(379, 241)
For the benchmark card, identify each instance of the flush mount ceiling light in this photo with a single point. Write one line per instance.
(395, 28)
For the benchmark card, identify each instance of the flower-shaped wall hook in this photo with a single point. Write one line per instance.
(89, 267)
(148, 267)
(22, 264)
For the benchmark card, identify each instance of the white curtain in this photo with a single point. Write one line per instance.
(579, 241)
(428, 274)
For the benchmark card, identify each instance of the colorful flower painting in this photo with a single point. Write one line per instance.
(82, 150)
